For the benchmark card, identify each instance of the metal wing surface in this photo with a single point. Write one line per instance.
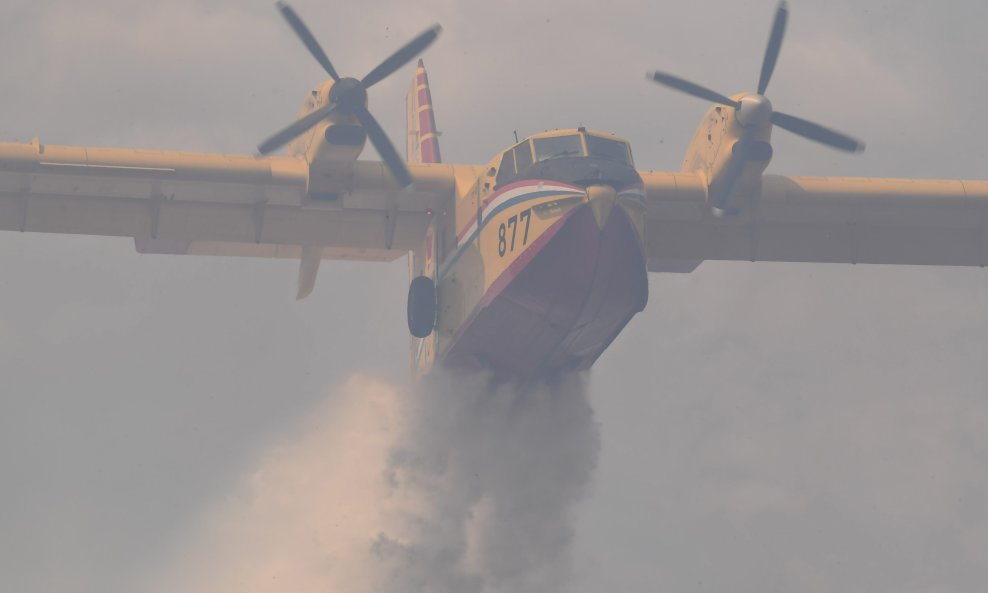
(820, 219)
(178, 202)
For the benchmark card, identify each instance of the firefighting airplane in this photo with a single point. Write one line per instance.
(533, 262)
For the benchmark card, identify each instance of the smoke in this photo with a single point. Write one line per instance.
(456, 484)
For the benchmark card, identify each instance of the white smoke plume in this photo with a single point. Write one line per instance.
(455, 484)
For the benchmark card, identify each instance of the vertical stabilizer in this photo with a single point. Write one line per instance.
(423, 139)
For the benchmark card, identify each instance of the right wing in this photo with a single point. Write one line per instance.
(213, 204)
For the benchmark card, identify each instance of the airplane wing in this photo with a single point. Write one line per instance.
(819, 219)
(214, 204)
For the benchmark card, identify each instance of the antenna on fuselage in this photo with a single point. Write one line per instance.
(516, 136)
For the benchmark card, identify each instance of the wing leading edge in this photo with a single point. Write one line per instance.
(821, 219)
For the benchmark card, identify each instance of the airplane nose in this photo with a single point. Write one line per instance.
(602, 199)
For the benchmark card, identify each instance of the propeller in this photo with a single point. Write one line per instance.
(796, 125)
(349, 95)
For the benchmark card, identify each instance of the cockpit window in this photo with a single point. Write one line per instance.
(611, 150)
(507, 169)
(523, 156)
(558, 147)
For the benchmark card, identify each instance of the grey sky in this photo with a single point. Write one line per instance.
(765, 427)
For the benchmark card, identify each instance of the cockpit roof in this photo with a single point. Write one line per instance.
(571, 131)
(573, 154)
(591, 143)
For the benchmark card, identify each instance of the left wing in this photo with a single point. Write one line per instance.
(214, 204)
(819, 219)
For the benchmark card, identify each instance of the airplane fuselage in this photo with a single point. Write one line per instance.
(542, 263)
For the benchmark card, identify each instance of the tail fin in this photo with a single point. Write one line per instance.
(423, 139)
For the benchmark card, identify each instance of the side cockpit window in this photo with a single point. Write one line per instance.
(523, 156)
(558, 147)
(611, 150)
(507, 169)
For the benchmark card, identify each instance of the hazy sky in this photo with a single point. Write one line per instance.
(765, 427)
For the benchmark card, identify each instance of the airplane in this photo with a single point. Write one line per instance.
(531, 263)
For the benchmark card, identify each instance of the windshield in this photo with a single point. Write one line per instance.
(612, 150)
(554, 148)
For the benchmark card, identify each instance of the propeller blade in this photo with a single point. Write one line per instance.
(691, 89)
(293, 131)
(816, 132)
(401, 57)
(379, 139)
(295, 22)
(774, 46)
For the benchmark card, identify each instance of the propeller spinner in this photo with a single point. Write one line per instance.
(796, 125)
(349, 95)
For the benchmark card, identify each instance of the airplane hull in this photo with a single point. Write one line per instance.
(561, 303)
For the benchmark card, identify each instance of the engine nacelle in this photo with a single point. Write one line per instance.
(732, 169)
(334, 145)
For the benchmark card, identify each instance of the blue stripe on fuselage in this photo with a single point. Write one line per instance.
(445, 268)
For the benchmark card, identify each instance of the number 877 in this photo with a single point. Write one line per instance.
(507, 233)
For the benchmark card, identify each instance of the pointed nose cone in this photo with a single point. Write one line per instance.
(602, 199)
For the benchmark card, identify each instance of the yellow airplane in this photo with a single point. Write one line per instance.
(533, 262)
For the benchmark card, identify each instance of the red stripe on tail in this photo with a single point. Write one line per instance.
(423, 138)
